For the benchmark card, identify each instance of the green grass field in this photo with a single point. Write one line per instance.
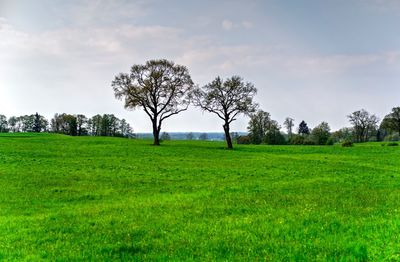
(85, 198)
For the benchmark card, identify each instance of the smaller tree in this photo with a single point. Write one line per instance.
(321, 134)
(39, 124)
(364, 124)
(3, 124)
(258, 125)
(391, 122)
(303, 128)
(203, 136)
(165, 136)
(289, 124)
(189, 136)
(81, 122)
(12, 123)
(343, 134)
(227, 99)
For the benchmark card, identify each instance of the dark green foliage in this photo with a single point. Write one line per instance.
(303, 128)
(321, 133)
(3, 124)
(79, 125)
(297, 140)
(262, 129)
(274, 137)
(347, 144)
(26, 123)
(392, 144)
(330, 142)
(309, 142)
(37, 127)
(391, 122)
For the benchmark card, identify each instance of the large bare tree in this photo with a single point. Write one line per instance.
(363, 123)
(227, 99)
(161, 87)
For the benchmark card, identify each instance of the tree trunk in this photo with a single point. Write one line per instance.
(156, 133)
(228, 136)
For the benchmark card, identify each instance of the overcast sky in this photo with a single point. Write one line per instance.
(312, 60)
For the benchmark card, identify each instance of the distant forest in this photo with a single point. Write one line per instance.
(262, 129)
(73, 125)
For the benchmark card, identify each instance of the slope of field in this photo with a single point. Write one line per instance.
(84, 198)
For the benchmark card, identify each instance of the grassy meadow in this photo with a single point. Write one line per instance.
(92, 198)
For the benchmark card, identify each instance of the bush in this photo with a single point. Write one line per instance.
(245, 140)
(309, 142)
(393, 137)
(274, 138)
(296, 140)
(392, 144)
(330, 141)
(347, 144)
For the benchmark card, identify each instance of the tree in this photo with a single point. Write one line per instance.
(41, 122)
(289, 124)
(392, 120)
(81, 122)
(165, 136)
(125, 128)
(263, 129)
(189, 136)
(64, 124)
(321, 133)
(343, 134)
(203, 136)
(227, 99)
(303, 128)
(257, 126)
(363, 124)
(3, 124)
(96, 122)
(12, 123)
(160, 87)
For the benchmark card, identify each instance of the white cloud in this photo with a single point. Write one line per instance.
(227, 25)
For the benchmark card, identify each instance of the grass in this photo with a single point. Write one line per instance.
(83, 198)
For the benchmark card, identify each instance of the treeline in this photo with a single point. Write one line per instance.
(164, 89)
(365, 127)
(68, 124)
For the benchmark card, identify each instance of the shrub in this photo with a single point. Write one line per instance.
(347, 144)
(393, 137)
(274, 138)
(245, 140)
(297, 140)
(392, 144)
(309, 142)
(330, 141)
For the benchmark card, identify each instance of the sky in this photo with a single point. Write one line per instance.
(310, 60)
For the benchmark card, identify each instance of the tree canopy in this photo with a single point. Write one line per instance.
(160, 87)
(227, 99)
